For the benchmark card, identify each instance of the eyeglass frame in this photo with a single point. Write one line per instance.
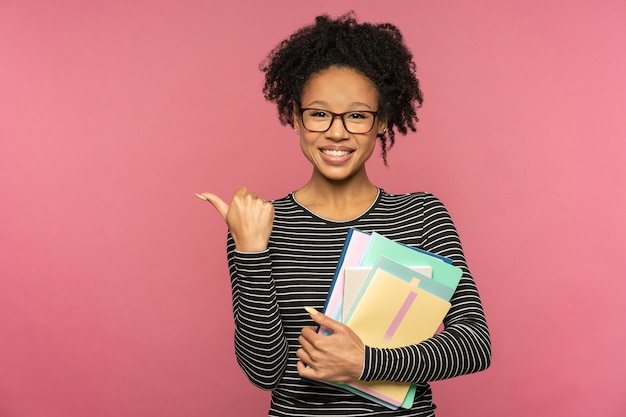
(340, 115)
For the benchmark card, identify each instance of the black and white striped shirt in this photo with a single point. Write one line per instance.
(270, 289)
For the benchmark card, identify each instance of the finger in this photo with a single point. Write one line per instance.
(241, 192)
(324, 320)
(218, 203)
(309, 332)
(303, 355)
(305, 370)
(244, 195)
(307, 339)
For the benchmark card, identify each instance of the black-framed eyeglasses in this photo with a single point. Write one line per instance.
(355, 121)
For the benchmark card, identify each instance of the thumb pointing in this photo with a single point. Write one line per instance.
(218, 203)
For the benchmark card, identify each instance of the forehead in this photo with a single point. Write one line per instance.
(339, 86)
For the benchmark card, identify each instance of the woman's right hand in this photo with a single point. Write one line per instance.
(248, 217)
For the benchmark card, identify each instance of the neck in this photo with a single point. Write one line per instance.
(337, 200)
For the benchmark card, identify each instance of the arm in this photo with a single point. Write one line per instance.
(260, 343)
(464, 345)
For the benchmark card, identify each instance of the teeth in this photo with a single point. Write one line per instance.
(334, 152)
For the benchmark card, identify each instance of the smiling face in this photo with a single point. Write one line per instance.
(337, 154)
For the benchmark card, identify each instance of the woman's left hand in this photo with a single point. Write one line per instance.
(337, 357)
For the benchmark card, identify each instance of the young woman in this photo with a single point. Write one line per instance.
(343, 86)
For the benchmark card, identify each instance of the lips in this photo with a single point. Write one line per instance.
(336, 152)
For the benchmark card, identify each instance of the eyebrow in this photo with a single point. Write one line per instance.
(351, 105)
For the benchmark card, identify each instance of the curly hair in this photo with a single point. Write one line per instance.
(375, 50)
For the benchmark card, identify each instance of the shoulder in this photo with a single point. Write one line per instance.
(421, 199)
(420, 207)
(284, 201)
(287, 206)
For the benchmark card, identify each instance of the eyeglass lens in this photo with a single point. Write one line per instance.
(317, 120)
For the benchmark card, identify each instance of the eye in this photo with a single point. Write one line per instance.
(318, 114)
(357, 115)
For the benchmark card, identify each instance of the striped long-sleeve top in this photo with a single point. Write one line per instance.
(270, 289)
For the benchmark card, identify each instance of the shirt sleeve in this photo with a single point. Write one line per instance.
(260, 345)
(464, 345)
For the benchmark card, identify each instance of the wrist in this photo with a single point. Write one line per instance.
(250, 245)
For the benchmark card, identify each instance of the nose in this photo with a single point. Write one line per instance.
(337, 130)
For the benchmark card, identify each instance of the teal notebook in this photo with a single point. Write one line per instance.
(442, 272)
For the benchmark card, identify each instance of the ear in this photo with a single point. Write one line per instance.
(297, 123)
(382, 125)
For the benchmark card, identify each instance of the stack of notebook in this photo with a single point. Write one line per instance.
(390, 295)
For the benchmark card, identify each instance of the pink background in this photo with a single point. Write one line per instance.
(114, 294)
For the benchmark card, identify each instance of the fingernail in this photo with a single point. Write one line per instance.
(311, 310)
(201, 197)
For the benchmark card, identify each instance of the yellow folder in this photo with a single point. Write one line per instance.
(393, 311)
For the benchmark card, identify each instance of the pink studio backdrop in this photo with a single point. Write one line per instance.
(114, 294)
